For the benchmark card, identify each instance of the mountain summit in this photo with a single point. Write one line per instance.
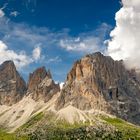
(12, 85)
(100, 83)
(41, 85)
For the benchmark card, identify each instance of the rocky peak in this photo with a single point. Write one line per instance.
(12, 85)
(7, 70)
(96, 65)
(37, 77)
(98, 82)
(41, 85)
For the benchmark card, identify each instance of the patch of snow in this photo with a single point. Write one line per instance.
(61, 85)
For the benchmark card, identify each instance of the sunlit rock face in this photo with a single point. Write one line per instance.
(100, 83)
(12, 85)
(41, 85)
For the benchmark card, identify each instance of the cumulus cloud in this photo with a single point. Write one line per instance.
(20, 59)
(25, 44)
(125, 37)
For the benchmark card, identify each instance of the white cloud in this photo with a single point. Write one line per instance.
(125, 38)
(20, 59)
(12, 36)
(131, 3)
(87, 42)
(37, 52)
(30, 39)
(15, 34)
(21, 36)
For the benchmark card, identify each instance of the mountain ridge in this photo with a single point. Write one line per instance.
(98, 82)
(96, 87)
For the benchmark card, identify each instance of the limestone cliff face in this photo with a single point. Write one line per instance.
(12, 86)
(98, 82)
(41, 86)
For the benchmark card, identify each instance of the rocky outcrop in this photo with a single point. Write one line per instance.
(37, 77)
(12, 85)
(100, 83)
(41, 86)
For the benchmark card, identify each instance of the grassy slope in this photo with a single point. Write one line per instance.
(46, 127)
(6, 136)
(128, 130)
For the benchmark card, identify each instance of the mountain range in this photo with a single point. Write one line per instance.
(100, 99)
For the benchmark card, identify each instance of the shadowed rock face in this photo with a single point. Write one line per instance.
(98, 82)
(12, 85)
(41, 86)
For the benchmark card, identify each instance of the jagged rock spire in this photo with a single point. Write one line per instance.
(41, 86)
(12, 85)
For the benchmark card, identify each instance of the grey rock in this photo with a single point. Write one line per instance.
(12, 85)
(41, 86)
(98, 82)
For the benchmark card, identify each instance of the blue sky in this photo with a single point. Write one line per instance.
(53, 33)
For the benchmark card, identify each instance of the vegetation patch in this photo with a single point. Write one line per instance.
(112, 129)
(7, 136)
(128, 130)
(45, 126)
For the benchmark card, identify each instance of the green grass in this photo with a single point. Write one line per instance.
(51, 128)
(63, 124)
(54, 128)
(47, 126)
(128, 130)
(7, 136)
